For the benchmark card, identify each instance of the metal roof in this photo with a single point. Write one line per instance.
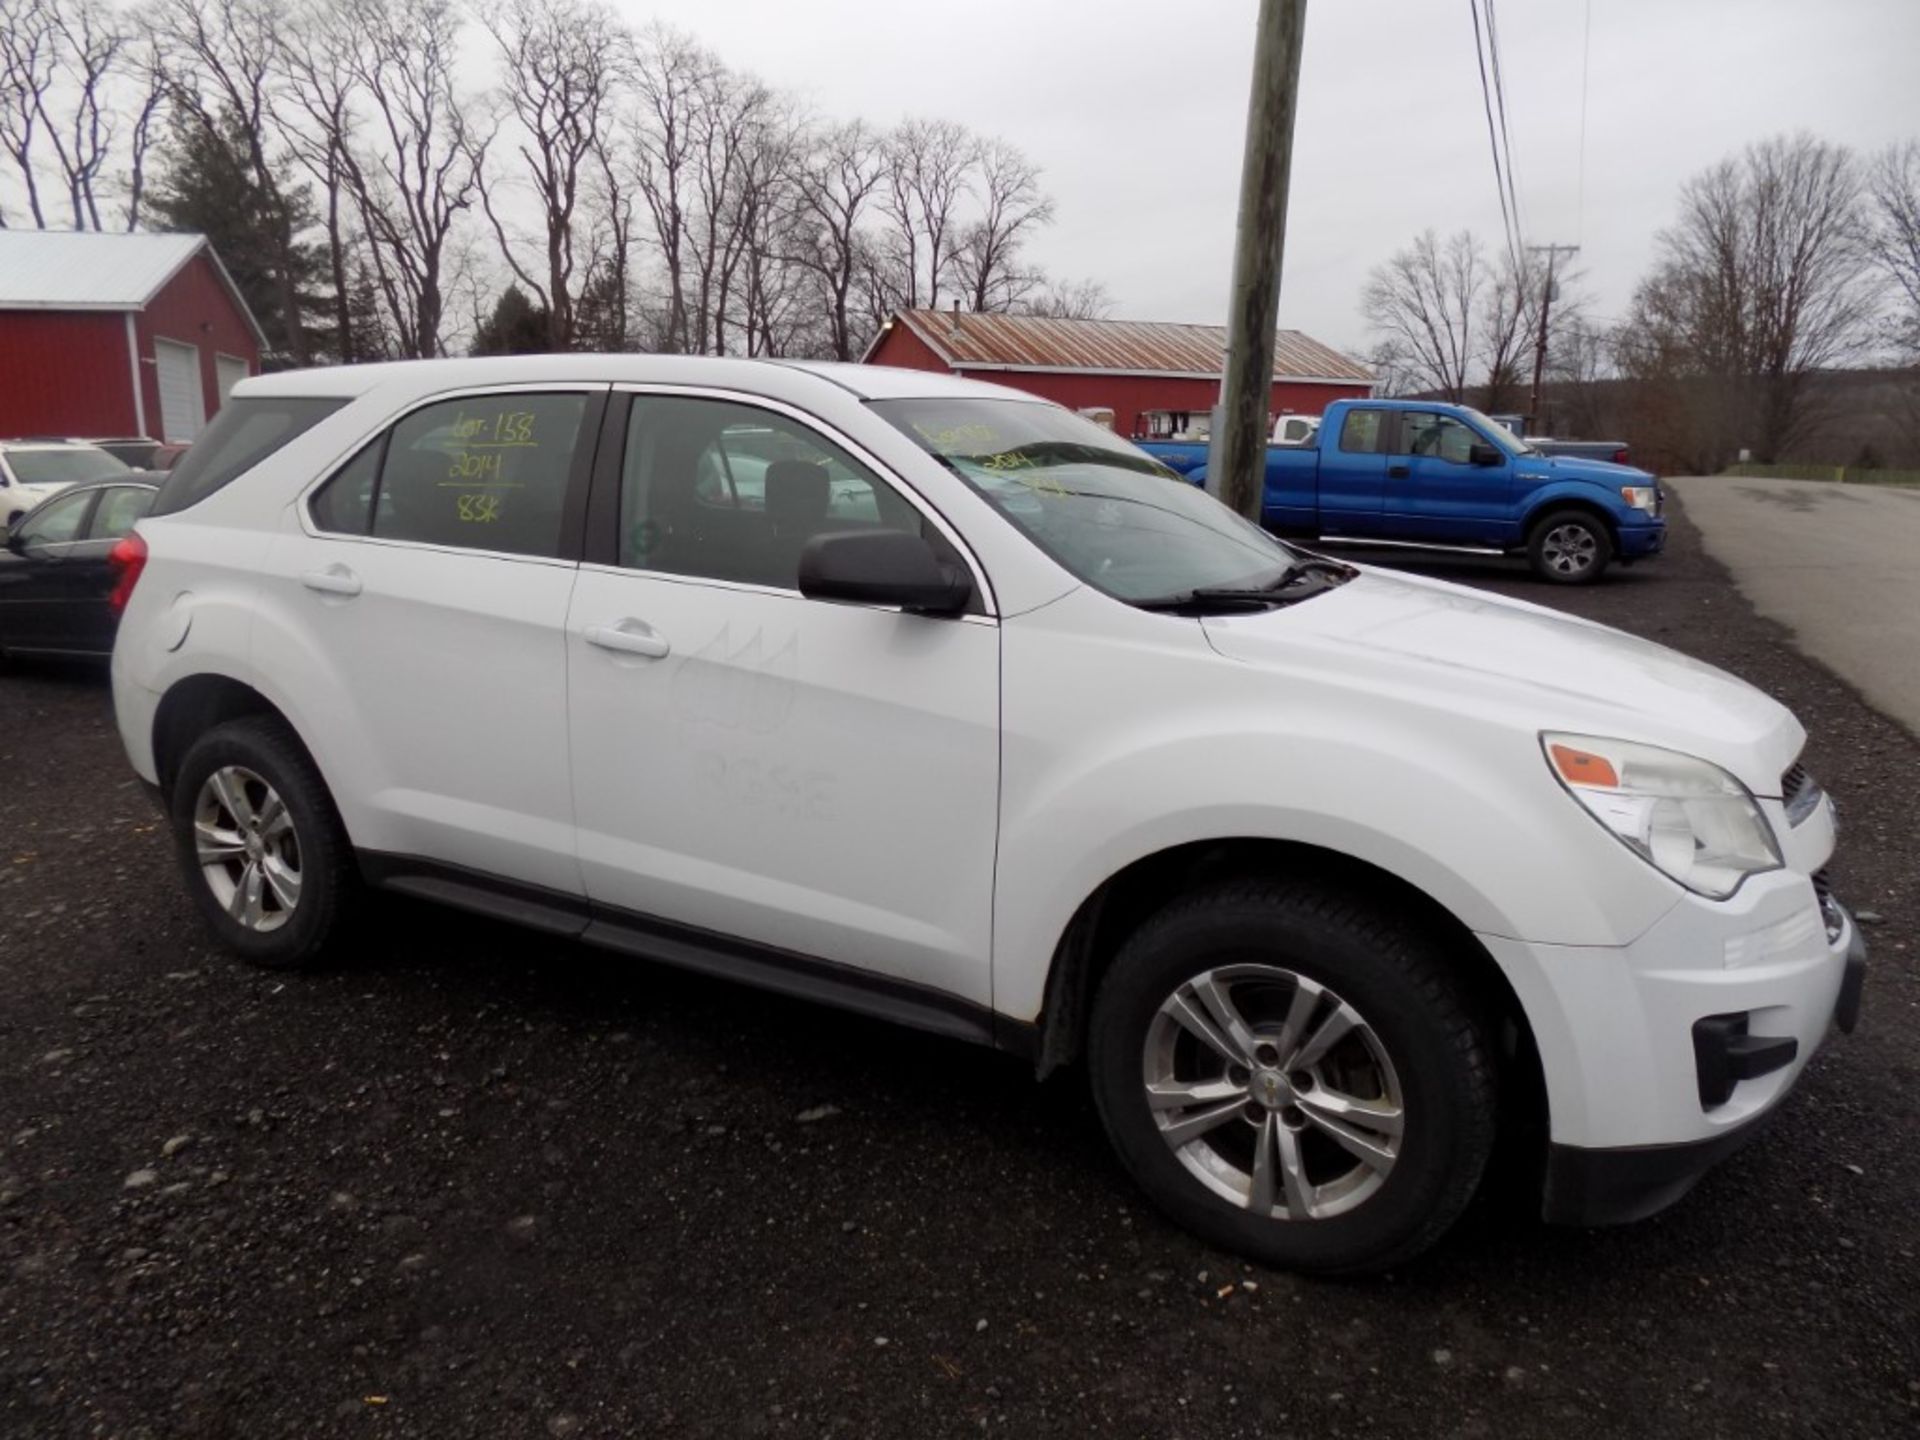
(969, 341)
(101, 270)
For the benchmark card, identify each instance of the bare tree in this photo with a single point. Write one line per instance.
(1424, 301)
(29, 63)
(424, 165)
(318, 96)
(1760, 283)
(223, 58)
(837, 181)
(672, 82)
(560, 65)
(148, 94)
(930, 165)
(987, 262)
(1893, 237)
(1508, 325)
(1068, 300)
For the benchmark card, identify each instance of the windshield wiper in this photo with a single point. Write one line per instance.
(1309, 575)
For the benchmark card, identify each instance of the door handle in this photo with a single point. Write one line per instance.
(334, 580)
(1399, 472)
(630, 637)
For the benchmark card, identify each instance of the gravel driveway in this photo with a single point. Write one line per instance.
(474, 1183)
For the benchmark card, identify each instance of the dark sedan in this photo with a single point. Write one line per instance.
(54, 575)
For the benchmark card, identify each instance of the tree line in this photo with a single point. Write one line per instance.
(1794, 259)
(594, 186)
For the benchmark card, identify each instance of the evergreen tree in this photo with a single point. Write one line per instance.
(516, 327)
(207, 187)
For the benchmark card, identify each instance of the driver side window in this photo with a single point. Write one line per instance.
(1437, 437)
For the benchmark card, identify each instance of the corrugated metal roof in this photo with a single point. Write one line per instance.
(88, 270)
(1129, 347)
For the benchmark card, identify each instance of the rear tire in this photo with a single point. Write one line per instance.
(1570, 547)
(1410, 1079)
(261, 846)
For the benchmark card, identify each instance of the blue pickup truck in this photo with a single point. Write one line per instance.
(1435, 476)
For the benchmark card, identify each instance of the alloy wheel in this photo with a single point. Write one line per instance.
(1570, 549)
(1273, 1092)
(249, 852)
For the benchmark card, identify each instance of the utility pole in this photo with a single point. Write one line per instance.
(1236, 459)
(1540, 344)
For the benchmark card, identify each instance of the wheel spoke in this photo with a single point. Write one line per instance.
(1213, 995)
(1382, 1117)
(1332, 1030)
(1293, 1175)
(1191, 1018)
(1193, 1126)
(274, 819)
(1369, 1149)
(285, 882)
(1179, 1094)
(232, 794)
(213, 844)
(245, 906)
(1260, 1193)
(1306, 999)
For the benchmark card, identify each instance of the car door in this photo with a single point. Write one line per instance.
(82, 618)
(36, 578)
(812, 780)
(425, 587)
(1353, 472)
(1436, 492)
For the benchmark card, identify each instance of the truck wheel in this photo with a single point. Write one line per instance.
(1293, 1073)
(1570, 547)
(265, 855)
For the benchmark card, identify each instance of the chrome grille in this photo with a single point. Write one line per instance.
(1800, 792)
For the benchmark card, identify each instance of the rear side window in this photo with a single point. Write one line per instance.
(244, 433)
(484, 472)
(1360, 434)
(119, 509)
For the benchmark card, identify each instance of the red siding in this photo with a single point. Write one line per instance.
(195, 309)
(1126, 395)
(64, 373)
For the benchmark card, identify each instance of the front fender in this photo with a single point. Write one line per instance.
(1588, 494)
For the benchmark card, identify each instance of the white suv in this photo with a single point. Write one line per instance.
(936, 701)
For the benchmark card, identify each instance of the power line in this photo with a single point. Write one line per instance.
(1493, 139)
(1506, 135)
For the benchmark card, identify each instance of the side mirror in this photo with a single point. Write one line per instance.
(1484, 455)
(883, 567)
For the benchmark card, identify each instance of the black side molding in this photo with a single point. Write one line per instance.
(1616, 1186)
(785, 972)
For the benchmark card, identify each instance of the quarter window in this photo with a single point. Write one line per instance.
(729, 492)
(56, 522)
(481, 473)
(1360, 433)
(119, 510)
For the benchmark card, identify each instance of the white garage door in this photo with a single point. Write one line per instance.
(229, 370)
(183, 405)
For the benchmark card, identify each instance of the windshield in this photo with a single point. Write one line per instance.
(63, 467)
(1111, 514)
(1498, 433)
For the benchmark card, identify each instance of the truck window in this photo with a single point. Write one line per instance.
(1439, 437)
(1361, 432)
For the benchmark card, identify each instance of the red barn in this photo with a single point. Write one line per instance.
(1151, 376)
(117, 335)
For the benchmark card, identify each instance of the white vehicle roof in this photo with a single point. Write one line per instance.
(777, 378)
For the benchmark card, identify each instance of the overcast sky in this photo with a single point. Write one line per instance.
(1136, 111)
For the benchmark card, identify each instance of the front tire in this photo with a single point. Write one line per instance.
(261, 845)
(1570, 547)
(1293, 1073)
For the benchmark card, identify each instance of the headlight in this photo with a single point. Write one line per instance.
(1642, 497)
(1691, 820)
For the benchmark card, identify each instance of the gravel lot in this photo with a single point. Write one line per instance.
(475, 1183)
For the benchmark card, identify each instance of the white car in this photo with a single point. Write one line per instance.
(1329, 874)
(36, 470)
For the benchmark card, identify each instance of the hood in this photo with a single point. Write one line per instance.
(1434, 644)
(1597, 472)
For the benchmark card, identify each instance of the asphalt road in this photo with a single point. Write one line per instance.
(1839, 565)
(474, 1183)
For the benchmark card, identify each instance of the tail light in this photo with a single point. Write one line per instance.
(1620, 456)
(127, 559)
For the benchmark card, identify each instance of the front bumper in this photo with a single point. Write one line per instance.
(1612, 1186)
(1638, 542)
